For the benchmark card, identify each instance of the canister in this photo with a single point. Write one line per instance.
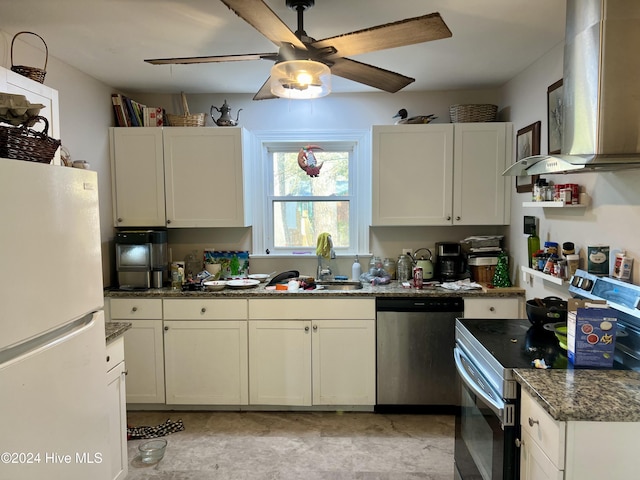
(573, 261)
(598, 259)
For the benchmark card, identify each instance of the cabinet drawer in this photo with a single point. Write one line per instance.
(491, 308)
(115, 352)
(132, 308)
(546, 432)
(205, 309)
(312, 309)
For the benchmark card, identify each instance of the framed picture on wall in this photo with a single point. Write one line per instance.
(554, 117)
(527, 144)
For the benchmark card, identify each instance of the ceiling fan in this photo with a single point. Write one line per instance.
(331, 52)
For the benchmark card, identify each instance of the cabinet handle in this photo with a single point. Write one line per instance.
(458, 218)
(203, 310)
(492, 309)
(126, 372)
(108, 358)
(166, 328)
(119, 219)
(533, 422)
(134, 309)
(306, 329)
(519, 443)
(448, 217)
(315, 328)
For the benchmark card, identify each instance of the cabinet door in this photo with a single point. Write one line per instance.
(280, 362)
(37, 92)
(206, 362)
(412, 175)
(143, 350)
(344, 362)
(492, 308)
(137, 177)
(534, 464)
(203, 177)
(481, 193)
(117, 421)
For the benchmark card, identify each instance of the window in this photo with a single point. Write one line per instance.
(296, 207)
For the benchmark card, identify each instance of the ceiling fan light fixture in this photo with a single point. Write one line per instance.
(300, 79)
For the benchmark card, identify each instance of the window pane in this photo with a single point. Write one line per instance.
(290, 180)
(298, 224)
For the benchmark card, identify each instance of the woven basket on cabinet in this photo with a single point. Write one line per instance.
(473, 113)
(33, 73)
(188, 119)
(22, 143)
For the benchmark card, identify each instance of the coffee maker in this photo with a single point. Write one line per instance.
(141, 259)
(450, 264)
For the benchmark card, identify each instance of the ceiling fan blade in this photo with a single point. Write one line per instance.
(257, 14)
(369, 75)
(212, 59)
(265, 91)
(391, 35)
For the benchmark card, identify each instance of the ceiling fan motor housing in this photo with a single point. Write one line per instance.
(304, 4)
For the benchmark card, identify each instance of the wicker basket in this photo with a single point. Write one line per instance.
(473, 113)
(188, 119)
(22, 143)
(483, 273)
(33, 73)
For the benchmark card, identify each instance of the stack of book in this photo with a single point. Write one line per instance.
(129, 113)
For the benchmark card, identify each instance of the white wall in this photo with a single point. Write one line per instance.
(612, 218)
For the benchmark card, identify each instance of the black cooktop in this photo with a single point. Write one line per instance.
(516, 343)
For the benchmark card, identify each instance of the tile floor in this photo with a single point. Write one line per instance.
(298, 446)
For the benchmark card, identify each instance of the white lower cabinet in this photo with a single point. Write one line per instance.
(574, 450)
(494, 307)
(312, 352)
(143, 347)
(117, 409)
(206, 358)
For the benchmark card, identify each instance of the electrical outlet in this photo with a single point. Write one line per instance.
(407, 250)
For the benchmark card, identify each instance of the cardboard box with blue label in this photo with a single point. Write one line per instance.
(591, 333)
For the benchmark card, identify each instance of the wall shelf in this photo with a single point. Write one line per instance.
(558, 204)
(530, 272)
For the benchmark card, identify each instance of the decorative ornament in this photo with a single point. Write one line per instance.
(308, 162)
(501, 276)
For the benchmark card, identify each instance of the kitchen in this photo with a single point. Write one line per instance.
(614, 195)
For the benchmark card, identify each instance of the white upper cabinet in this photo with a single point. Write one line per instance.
(137, 173)
(204, 177)
(441, 174)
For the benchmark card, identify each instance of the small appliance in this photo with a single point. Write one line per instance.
(450, 264)
(141, 259)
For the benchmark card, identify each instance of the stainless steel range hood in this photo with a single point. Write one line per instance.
(601, 91)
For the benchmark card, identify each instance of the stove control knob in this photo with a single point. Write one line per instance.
(586, 284)
(575, 281)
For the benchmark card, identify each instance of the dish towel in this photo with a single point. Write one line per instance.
(323, 247)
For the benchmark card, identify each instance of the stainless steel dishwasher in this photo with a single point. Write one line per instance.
(414, 358)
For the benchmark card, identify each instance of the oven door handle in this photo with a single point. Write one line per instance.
(470, 376)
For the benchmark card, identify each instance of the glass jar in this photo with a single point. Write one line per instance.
(375, 265)
(404, 268)
(389, 266)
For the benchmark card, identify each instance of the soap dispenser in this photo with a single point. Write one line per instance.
(356, 270)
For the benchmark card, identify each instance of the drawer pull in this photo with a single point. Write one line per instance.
(166, 329)
(134, 309)
(203, 310)
(533, 422)
(492, 309)
(306, 329)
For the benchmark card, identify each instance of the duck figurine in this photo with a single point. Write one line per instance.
(405, 119)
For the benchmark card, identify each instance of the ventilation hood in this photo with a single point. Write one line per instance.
(601, 91)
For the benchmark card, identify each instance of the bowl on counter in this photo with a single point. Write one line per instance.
(153, 450)
(214, 285)
(261, 277)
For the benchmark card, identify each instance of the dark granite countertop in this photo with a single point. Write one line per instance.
(114, 329)
(585, 395)
(393, 289)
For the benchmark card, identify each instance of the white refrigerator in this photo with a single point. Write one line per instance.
(53, 389)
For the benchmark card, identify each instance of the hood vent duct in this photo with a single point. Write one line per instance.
(601, 91)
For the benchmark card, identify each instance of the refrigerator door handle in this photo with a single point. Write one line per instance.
(49, 339)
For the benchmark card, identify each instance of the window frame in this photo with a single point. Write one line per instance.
(356, 141)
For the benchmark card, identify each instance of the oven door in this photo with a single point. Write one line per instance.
(485, 428)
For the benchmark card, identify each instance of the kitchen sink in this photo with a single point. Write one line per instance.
(339, 285)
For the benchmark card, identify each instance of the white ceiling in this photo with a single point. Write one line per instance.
(493, 40)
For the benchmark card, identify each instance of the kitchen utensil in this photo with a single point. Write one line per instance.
(547, 310)
(560, 330)
(214, 285)
(261, 277)
(225, 119)
(425, 264)
(153, 450)
(243, 283)
(284, 276)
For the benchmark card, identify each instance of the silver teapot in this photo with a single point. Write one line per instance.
(225, 119)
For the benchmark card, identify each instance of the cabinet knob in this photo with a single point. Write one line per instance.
(119, 219)
(168, 221)
(315, 328)
(166, 328)
(448, 217)
(126, 372)
(492, 309)
(458, 218)
(134, 309)
(519, 442)
(108, 358)
(203, 310)
(533, 422)
(306, 329)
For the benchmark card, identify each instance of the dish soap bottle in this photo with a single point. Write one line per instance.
(533, 245)
(356, 270)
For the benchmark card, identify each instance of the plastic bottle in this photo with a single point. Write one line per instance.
(533, 245)
(356, 270)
